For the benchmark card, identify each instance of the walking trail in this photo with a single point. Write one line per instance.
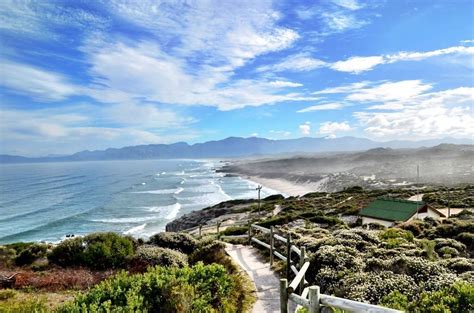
(266, 281)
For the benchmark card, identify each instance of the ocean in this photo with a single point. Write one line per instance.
(47, 201)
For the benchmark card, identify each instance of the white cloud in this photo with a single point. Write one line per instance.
(280, 83)
(74, 128)
(36, 83)
(295, 63)
(348, 4)
(357, 65)
(423, 116)
(331, 128)
(144, 71)
(341, 21)
(322, 107)
(467, 41)
(305, 128)
(389, 91)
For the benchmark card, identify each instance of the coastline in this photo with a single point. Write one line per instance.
(283, 186)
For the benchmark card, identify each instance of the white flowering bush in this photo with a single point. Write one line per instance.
(372, 287)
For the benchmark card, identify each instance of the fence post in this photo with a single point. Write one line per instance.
(200, 228)
(302, 260)
(288, 256)
(250, 233)
(283, 295)
(218, 226)
(271, 246)
(314, 299)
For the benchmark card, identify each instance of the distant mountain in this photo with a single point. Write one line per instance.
(233, 147)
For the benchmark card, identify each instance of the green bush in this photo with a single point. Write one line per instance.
(177, 241)
(235, 230)
(201, 288)
(97, 251)
(148, 255)
(459, 297)
(30, 254)
(7, 294)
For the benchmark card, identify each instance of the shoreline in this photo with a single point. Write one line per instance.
(283, 186)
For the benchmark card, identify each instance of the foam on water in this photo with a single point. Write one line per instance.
(135, 230)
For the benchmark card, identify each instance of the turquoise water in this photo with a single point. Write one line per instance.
(46, 201)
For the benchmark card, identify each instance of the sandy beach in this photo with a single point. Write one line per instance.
(286, 187)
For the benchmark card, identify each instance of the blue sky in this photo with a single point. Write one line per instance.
(79, 75)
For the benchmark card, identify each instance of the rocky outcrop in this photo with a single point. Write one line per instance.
(196, 218)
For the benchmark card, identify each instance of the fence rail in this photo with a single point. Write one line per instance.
(309, 297)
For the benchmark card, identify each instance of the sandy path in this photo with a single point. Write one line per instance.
(266, 281)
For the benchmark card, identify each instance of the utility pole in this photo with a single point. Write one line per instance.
(259, 188)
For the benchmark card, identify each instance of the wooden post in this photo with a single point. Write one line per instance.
(314, 299)
(250, 233)
(288, 256)
(271, 246)
(302, 260)
(283, 296)
(218, 226)
(200, 228)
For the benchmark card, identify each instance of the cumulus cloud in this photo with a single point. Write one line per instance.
(305, 128)
(357, 65)
(331, 128)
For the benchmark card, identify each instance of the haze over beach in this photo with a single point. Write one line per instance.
(236, 156)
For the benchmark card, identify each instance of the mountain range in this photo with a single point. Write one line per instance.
(233, 147)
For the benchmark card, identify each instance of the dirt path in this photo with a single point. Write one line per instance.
(266, 281)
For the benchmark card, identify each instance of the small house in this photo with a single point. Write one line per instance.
(386, 211)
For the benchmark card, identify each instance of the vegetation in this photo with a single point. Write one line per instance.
(417, 266)
(96, 251)
(201, 288)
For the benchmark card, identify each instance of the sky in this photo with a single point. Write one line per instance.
(77, 75)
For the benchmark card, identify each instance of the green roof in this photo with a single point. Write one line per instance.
(391, 209)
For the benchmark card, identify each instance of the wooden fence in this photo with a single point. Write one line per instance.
(309, 297)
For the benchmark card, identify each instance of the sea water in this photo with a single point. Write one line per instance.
(46, 201)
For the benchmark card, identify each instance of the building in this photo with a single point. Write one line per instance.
(387, 211)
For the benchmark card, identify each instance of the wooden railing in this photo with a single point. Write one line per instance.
(309, 297)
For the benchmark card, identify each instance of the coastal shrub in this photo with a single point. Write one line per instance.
(235, 230)
(451, 228)
(458, 297)
(68, 253)
(201, 288)
(148, 255)
(340, 258)
(468, 240)
(418, 268)
(458, 265)
(31, 304)
(97, 251)
(177, 241)
(396, 237)
(415, 227)
(372, 287)
(31, 254)
(7, 256)
(449, 247)
(428, 248)
(7, 294)
(210, 252)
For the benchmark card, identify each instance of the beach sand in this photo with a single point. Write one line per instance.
(286, 187)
